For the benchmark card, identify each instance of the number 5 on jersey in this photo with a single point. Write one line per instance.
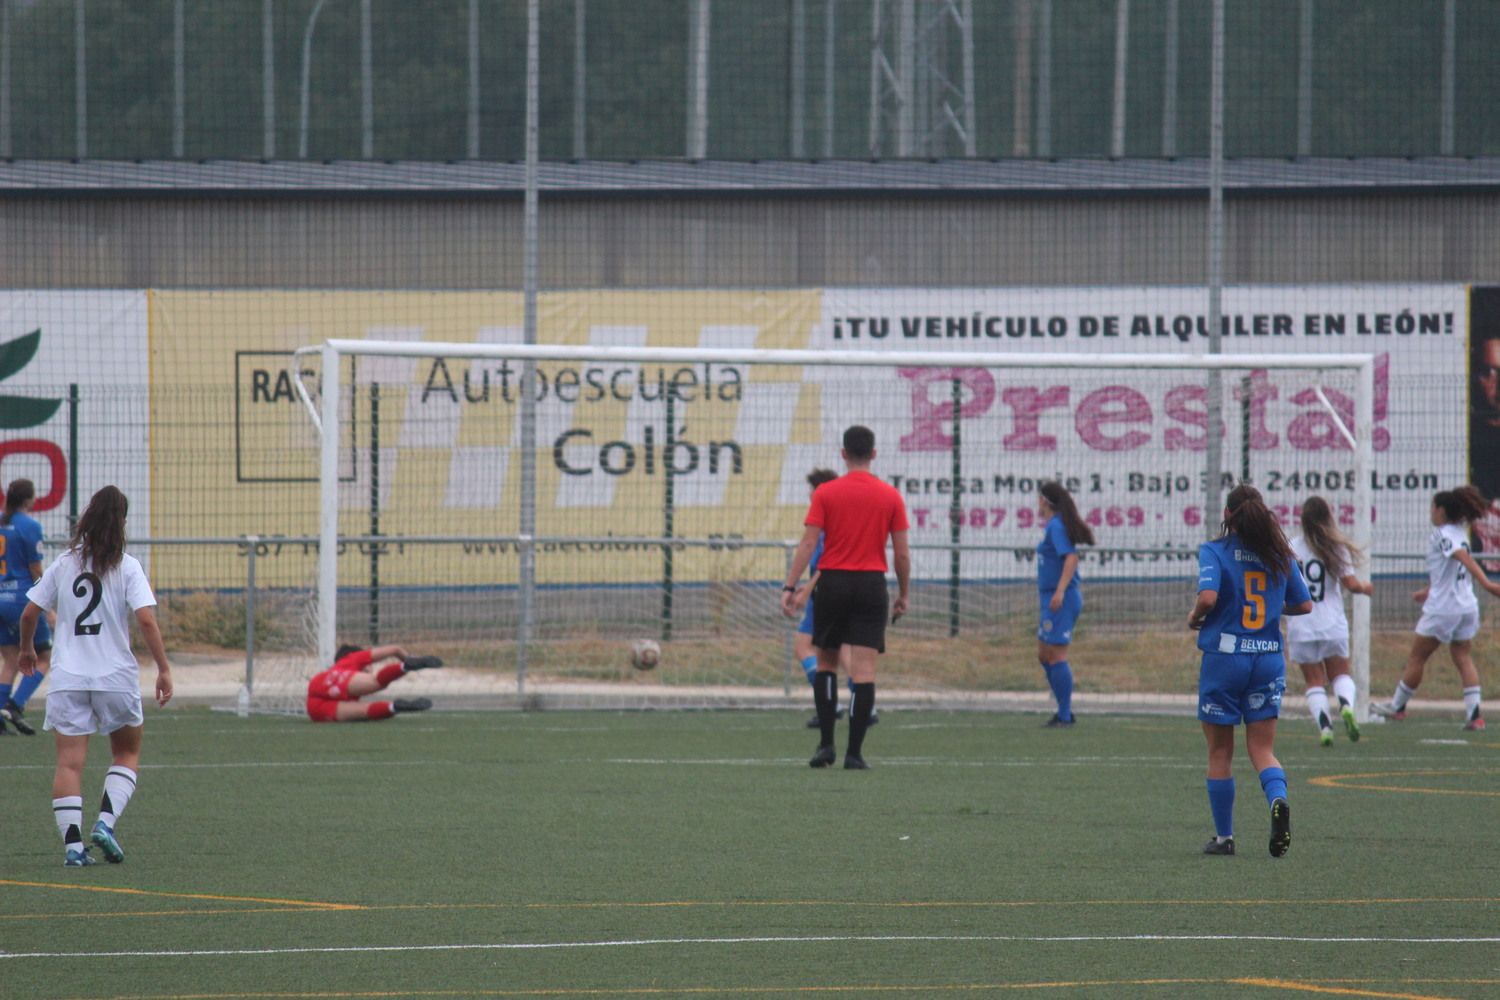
(1253, 614)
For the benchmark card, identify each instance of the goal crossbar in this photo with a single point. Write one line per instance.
(324, 416)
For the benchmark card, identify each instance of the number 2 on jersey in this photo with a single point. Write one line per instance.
(1253, 615)
(87, 585)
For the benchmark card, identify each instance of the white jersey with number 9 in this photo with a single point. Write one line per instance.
(1327, 620)
(91, 644)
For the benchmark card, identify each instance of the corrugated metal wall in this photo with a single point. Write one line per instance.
(729, 242)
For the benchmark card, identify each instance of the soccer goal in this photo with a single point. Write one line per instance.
(529, 512)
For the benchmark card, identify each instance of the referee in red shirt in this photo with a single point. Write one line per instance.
(854, 514)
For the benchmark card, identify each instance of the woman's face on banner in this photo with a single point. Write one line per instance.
(1488, 374)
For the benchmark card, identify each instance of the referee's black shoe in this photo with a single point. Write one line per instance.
(854, 762)
(823, 757)
(12, 713)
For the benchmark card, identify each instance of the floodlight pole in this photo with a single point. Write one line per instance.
(526, 572)
(1213, 459)
(179, 80)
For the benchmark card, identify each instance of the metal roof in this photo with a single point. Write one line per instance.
(771, 177)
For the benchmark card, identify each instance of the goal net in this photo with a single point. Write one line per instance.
(642, 492)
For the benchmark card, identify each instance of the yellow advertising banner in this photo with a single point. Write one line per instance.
(428, 446)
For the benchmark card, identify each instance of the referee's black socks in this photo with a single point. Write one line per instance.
(826, 701)
(861, 704)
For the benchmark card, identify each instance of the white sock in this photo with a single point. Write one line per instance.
(1317, 705)
(1402, 696)
(1471, 702)
(1344, 690)
(119, 783)
(68, 811)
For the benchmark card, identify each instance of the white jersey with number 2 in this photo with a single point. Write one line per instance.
(1449, 589)
(1327, 619)
(91, 644)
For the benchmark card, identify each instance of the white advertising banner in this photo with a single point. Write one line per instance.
(56, 346)
(1130, 444)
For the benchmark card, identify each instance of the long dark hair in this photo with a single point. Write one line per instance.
(1247, 517)
(1324, 538)
(818, 477)
(1061, 501)
(16, 496)
(99, 535)
(1463, 504)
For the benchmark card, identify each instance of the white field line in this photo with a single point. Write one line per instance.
(811, 939)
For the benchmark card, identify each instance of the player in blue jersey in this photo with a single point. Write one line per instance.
(802, 645)
(1058, 592)
(1247, 579)
(20, 567)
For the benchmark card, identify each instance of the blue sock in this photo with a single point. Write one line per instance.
(1273, 783)
(27, 688)
(1221, 804)
(4, 693)
(810, 667)
(1060, 678)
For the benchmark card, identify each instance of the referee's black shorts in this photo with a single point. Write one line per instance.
(850, 606)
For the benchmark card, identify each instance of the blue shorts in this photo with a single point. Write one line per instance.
(10, 628)
(805, 626)
(1056, 628)
(1240, 687)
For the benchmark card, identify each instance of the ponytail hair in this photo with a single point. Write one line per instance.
(345, 650)
(1463, 504)
(818, 477)
(17, 495)
(1247, 517)
(1061, 501)
(1325, 539)
(99, 535)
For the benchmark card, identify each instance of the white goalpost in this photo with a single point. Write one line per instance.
(672, 516)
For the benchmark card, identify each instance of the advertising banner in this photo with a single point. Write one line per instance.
(74, 410)
(1130, 445)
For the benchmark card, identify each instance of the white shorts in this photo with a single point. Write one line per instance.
(79, 713)
(1316, 650)
(1451, 626)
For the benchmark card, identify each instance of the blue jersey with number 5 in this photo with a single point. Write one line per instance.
(1246, 618)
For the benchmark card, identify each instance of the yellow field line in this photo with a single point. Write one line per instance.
(1341, 781)
(306, 903)
(932, 904)
(96, 914)
(301, 906)
(1343, 991)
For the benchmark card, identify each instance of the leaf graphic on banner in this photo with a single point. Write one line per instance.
(17, 354)
(22, 411)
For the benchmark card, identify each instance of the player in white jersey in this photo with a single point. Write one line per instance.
(1318, 642)
(94, 685)
(1450, 612)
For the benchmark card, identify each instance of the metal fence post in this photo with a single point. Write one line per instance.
(789, 648)
(247, 690)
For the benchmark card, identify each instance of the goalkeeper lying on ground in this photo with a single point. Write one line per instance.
(333, 695)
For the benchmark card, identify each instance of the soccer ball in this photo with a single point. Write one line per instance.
(645, 654)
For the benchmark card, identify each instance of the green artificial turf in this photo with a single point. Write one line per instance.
(696, 854)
